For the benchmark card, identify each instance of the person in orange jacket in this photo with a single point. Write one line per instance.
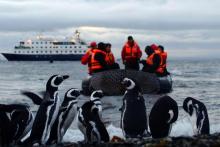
(152, 62)
(163, 69)
(110, 59)
(131, 54)
(86, 57)
(97, 59)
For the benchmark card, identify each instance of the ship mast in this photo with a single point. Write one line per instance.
(77, 33)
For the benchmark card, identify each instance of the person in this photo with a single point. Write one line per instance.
(110, 59)
(163, 69)
(97, 61)
(152, 62)
(131, 54)
(86, 58)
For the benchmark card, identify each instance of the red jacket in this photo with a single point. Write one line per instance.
(129, 53)
(86, 59)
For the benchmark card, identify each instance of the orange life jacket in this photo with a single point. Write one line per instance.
(164, 56)
(149, 61)
(163, 64)
(95, 65)
(109, 58)
(131, 52)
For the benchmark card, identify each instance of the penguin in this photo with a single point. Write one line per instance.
(66, 115)
(163, 114)
(197, 110)
(89, 121)
(47, 111)
(95, 98)
(16, 122)
(133, 111)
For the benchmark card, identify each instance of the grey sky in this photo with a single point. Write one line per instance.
(177, 24)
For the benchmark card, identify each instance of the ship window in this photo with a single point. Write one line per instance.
(70, 51)
(74, 51)
(65, 51)
(19, 52)
(70, 46)
(36, 51)
(45, 42)
(61, 47)
(80, 51)
(65, 46)
(57, 47)
(56, 51)
(50, 47)
(36, 42)
(61, 51)
(32, 51)
(45, 51)
(27, 51)
(84, 51)
(54, 47)
(45, 47)
(41, 51)
(32, 42)
(41, 47)
(79, 46)
(50, 51)
(74, 46)
(32, 47)
(41, 42)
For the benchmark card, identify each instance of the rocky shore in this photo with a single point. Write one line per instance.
(201, 141)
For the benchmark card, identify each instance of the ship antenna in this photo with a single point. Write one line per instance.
(77, 33)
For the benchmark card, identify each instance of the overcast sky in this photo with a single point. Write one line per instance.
(183, 26)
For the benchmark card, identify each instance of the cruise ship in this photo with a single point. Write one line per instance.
(49, 49)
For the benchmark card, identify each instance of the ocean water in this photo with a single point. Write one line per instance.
(195, 78)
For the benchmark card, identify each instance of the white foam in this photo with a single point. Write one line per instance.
(181, 127)
(74, 135)
(114, 131)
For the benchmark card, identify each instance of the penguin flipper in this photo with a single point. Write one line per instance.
(62, 109)
(34, 97)
(49, 102)
(12, 107)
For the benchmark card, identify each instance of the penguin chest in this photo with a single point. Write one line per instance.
(68, 117)
(134, 114)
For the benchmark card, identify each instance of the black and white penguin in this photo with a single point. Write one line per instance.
(163, 114)
(133, 111)
(47, 112)
(197, 111)
(89, 121)
(67, 113)
(95, 98)
(16, 122)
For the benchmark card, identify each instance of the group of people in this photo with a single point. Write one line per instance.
(100, 58)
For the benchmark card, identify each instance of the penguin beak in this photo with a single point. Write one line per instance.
(65, 77)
